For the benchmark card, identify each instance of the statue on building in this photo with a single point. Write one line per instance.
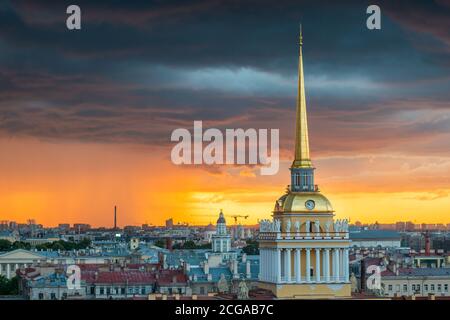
(307, 226)
(222, 284)
(297, 226)
(327, 227)
(277, 225)
(288, 225)
(354, 283)
(317, 226)
(243, 291)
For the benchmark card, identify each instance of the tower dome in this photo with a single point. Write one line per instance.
(221, 217)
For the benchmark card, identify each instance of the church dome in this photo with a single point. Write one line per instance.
(303, 202)
(221, 218)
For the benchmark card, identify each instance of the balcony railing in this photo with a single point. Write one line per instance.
(302, 235)
(312, 279)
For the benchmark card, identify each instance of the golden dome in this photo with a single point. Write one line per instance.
(303, 202)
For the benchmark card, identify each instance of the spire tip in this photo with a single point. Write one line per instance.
(301, 35)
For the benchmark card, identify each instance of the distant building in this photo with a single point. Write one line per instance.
(221, 241)
(81, 227)
(13, 260)
(169, 223)
(11, 236)
(362, 238)
(420, 282)
(429, 261)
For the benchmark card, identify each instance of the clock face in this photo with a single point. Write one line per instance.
(310, 204)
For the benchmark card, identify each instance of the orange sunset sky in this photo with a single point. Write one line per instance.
(86, 116)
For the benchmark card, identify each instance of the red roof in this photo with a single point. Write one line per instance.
(167, 277)
(116, 277)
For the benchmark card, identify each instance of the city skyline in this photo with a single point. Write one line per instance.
(86, 125)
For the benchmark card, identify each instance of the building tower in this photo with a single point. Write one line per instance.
(303, 251)
(221, 241)
(115, 217)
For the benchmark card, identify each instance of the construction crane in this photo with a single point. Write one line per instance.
(238, 216)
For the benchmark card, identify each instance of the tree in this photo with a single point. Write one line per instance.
(189, 245)
(9, 287)
(252, 248)
(5, 245)
(21, 245)
(160, 243)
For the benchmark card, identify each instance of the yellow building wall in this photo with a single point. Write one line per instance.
(308, 291)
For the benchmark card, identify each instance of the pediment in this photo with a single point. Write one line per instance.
(21, 254)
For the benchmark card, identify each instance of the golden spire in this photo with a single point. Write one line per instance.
(302, 159)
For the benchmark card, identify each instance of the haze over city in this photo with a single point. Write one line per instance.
(85, 124)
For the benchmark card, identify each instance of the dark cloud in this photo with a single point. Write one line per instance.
(139, 69)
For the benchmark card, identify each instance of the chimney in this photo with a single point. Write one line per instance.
(248, 270)
(169, 244)
(244, 257)
(206, 267)
(115, 217)
(427, 244)
(363, 275)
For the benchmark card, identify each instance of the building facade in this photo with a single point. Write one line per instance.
(304, 251)
(221, 241)
(419, 282)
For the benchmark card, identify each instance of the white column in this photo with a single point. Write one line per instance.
(272, 265)
(261, 264)
(327, 265)
(8, 271)
(288, 264)
(221, 246)
(317, 271)
(337, 271)
(298, 266)
(346, 265)
(308, 265)
(278, 265)
(341, 266)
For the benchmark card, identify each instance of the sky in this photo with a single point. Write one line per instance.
(86, 116)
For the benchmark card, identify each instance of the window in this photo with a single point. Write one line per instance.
(413, 287)
(53, 296)
(439, 287)
(390, 287)
(297, 179)
(397, 288)
(405, 288)
(202, 290)
(122, 290)
(446, 287)
(41, 296)
(425, 287)
(432, 287)
(102, 291)
(143, 290)
(418, 287)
